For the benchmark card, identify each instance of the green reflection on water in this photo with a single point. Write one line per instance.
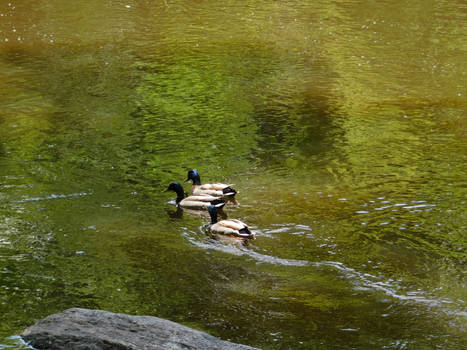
(342, 124)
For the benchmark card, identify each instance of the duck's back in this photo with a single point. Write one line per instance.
(219, 228)
(213, 186)
(232, 223)
(197, 202)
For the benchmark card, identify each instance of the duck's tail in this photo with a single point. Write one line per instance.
(246, 233)
(229, 194)
(218, 203)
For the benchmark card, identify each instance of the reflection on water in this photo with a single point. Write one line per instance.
(341, 124)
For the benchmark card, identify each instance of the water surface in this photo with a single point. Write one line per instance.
(341, 124)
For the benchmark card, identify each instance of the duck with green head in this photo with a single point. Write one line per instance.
(219, 190)
(197, 202)
(228, 227)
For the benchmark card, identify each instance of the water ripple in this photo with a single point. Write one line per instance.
(15, 342)
(52, 196)
(416, 204)
(366, 281)
(239, 251)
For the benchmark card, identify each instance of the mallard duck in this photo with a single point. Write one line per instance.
(223, 191)
(198, 202)
(228, 227)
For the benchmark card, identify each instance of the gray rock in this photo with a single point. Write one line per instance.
(81, 329)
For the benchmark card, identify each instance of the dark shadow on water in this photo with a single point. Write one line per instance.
(175, 214)
(297, 128)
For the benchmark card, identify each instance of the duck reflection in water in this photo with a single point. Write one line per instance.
(178, 212)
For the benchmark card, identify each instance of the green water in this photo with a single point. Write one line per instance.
(342, 125)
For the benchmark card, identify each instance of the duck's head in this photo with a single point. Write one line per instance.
(178, 189)
(213, 213)
(215, 205)
(194, 176)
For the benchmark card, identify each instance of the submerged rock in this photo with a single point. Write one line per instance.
(96, 330)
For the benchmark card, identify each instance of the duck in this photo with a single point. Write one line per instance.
(197, 202)
(228, 227)
(219, 190)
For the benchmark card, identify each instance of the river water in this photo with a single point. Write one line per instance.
(342, 125)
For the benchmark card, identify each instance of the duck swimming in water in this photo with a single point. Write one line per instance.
(229, 227)
(219, 190)
(197, 202)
